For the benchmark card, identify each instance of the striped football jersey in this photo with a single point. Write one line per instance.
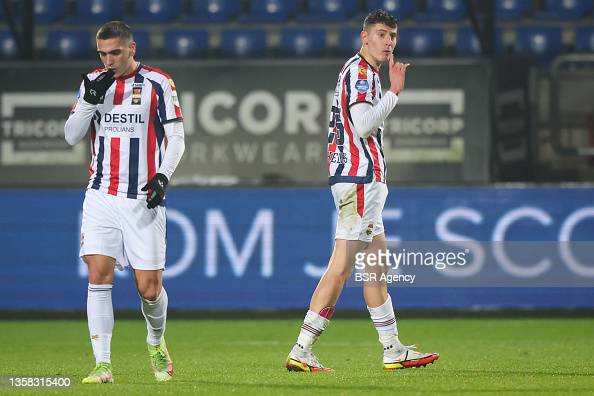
(352, 159)
(127, 135)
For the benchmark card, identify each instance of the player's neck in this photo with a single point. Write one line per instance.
(130, 69)
(369, 59)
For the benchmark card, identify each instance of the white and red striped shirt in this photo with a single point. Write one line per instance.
(352, 159)
(128, 139)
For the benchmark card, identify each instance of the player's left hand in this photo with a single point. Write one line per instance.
(155, 189)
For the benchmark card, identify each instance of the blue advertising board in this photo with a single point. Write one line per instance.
(265, 249)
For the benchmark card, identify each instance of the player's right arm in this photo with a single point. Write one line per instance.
(90, 94)
(366, 117)
(80, 117)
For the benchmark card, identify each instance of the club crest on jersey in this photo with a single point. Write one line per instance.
(362, 86)
(136, 94)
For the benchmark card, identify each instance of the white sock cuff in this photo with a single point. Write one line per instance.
(107, 287)
(316, 320)
(383, 310)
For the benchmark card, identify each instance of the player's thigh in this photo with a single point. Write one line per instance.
(143, 232)
(377, 249)
(378, 243)
(344, 253)
(100, 230)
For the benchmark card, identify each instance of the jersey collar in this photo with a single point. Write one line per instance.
(375, 69)
(127, 76)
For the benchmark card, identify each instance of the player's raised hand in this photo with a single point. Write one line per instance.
(397, 72)
(95, 90)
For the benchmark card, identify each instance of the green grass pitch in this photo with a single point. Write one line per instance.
(246, 357)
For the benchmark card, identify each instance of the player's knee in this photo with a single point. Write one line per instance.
(346, 273)
(150, 292)
(341, 273)
(100, 278)
(100, 270)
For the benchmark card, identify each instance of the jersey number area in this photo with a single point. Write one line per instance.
(336, 138)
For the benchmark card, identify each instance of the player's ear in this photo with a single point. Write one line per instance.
(132, 47)
(363, 36)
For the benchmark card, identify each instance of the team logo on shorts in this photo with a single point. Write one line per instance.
(369, 229)
(136, 94)
(82, 239)
(362, 86)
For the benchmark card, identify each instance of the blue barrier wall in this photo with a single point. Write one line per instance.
(266, 248)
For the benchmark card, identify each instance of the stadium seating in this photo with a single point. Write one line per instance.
(243, 42)
(421, 42)
(270, 11)
(144, 49)
(155, 11)
(512, 10)
(48, 11)
(349, 42)
(213, 11)
(401, 9)
(584, 39)
(303, 42)
(540, 42)
(185, 43)
(8, 46)
(565, 9)
(467, 43)
(328, 10)
(95, 12)
(445, 19)
(68, 44)
(443, 10)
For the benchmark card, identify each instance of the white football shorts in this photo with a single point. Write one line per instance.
(125, 229)
(359, 208)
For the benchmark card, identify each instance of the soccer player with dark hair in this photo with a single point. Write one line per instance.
(137, 141)
(357, 175)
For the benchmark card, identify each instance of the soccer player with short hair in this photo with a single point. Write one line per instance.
(137, 141)
(357, 175)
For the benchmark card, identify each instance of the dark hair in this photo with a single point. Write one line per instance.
(379, 16)
(115, 29)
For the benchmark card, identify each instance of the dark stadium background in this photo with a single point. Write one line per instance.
(493, 139)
